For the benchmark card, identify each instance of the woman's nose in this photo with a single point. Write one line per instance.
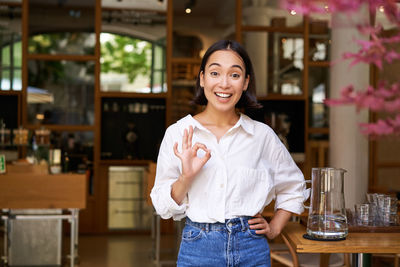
(224, 81)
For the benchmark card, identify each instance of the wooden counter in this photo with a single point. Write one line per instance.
(354, 243)
(20, 190)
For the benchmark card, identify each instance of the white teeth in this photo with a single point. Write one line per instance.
(223, 95)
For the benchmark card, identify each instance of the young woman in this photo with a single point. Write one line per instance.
(219, 169)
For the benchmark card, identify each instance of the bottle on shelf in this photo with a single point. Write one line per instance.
(66, 162)
(4, 134)
(20, 136)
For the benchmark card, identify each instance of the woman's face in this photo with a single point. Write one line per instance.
(224, 80)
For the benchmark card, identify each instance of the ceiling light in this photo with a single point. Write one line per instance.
(189, 5)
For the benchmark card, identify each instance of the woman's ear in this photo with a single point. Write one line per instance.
(201, 75)
(246, 83)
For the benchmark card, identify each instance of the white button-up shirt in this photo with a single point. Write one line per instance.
(249, 167)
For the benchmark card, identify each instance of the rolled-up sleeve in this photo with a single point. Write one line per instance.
(167, 173)
(290, 188)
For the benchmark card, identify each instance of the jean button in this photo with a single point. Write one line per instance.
(229, 224)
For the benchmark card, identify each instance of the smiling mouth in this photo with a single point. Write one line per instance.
(223, 95)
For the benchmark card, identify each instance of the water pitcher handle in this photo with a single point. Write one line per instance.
(307, 194)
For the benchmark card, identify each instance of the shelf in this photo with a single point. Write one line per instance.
(189, 60)
(140, 199)
(249, 28)
(184, 83)
(68, 128)
(59, 57)
(10, 92)
(319, 63)
(142, 162)
(388, 164)
(318, 130)
(281, 97)
(132, 95)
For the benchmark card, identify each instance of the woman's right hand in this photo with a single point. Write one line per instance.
(191, 163)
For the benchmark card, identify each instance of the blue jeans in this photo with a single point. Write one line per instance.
(230, 244)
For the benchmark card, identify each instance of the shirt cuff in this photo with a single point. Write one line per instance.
(293, 205)
(173, 209)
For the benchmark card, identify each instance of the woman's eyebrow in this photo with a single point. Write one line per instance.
(237, 66)
(219, 65)
(214, 64)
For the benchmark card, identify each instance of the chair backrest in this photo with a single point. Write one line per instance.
(289, 257)
(151, 176)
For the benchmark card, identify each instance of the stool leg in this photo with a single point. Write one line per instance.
(324, 259)
(292, 252)
(158, 240)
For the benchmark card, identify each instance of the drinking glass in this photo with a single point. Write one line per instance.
(362, 213)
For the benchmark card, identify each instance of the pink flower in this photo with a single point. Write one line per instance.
(392, 106)
(379, 99)
(383, 127)
(375, 50)
(347, 97)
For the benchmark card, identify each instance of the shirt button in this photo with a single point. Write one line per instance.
(221, 185)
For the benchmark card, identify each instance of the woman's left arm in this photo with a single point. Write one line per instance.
(274, 227)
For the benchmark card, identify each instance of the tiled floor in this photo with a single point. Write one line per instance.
(136, 251)
(115, 250)
(121, 251)
(132, 251)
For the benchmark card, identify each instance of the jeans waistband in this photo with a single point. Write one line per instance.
(229, 224)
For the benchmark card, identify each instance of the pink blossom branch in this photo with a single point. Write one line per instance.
(375, 99)
(383, 127)
(316, 6)
(375, 51)
(322, 6)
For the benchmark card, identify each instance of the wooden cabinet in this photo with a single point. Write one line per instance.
(127, 207)
(41, 190)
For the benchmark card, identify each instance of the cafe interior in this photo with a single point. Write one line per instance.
(89, 87)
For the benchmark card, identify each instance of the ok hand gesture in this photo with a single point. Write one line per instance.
(191, 163)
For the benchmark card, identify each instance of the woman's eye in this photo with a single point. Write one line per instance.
(235, 75)
(213, 73)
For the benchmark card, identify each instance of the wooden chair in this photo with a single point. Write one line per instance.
(158, 225)
(289, 257)
(395, 257)
(318, 151)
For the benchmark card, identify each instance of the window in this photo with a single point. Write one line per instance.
(11, 53)
(130, 64)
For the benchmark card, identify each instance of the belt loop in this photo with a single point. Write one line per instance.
(207, 227)
(243, 224)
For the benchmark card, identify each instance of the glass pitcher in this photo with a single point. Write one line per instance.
(327, 215)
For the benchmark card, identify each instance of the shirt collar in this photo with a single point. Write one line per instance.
(188, 120)
(244, 121)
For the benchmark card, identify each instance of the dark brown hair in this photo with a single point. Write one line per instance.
(248, 98)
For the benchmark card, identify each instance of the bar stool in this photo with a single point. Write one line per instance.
(289, 257)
